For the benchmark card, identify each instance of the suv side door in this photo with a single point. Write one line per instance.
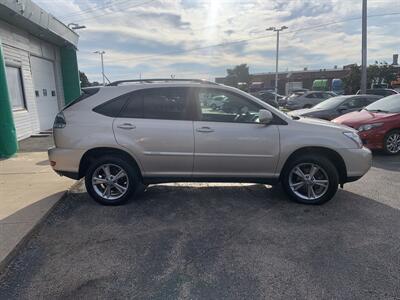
(230, 142)
(156, 126)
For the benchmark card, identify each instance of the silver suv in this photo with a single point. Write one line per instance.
(154, 131)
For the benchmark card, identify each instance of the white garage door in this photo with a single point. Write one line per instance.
(45, 91)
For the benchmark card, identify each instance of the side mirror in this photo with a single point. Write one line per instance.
(342, 108)
(265, 116)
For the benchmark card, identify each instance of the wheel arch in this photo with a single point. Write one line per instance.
(332, 155)
(94, 153)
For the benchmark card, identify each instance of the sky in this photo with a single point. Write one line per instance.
(202, 38)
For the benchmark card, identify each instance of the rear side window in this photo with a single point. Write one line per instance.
(158, 103)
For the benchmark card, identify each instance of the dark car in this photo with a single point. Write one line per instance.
(268, 97)
(381, 91)
(336, 106)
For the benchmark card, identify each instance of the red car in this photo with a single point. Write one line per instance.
(378, 124)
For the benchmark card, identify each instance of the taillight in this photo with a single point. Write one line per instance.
(59, 121)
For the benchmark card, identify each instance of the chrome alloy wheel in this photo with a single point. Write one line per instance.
(393, 143)
(308, 181)
(110, 181)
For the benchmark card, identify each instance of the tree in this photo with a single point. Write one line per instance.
(378, 73)
(84, 80)
(353, 80)
(239, 73)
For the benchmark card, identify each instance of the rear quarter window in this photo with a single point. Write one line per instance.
(112, 108)
(85, 93)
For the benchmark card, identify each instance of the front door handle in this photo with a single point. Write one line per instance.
(126, 126)
(205, 129)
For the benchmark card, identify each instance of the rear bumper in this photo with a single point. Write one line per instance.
(358, 162)
(65, 161)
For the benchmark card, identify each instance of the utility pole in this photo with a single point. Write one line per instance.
(364, 49)
(102, 65)
(277, 30)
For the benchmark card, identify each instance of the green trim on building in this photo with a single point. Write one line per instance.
(8, 136)
(70, 74)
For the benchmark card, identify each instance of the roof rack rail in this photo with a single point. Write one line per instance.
(152, 80)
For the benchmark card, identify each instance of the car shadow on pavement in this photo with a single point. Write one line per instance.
(211, 241)
(386, 162)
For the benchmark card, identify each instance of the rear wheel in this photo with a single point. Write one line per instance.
(392, 142)
(111, 180)
(310, 179)
(307, 106)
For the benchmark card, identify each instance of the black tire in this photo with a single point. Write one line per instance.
(385, 142)
(307, 106)
(325, 164)
(126, 165)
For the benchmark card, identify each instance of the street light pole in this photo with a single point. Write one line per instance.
(102, 65)
(364, 49)
(277, 30)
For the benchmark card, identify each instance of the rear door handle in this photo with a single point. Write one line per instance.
(126, 126)
(205, 129)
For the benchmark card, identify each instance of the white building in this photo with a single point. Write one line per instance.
(42, 75)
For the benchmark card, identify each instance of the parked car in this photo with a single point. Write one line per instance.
(158, 131)
(215, 102)
(378, 124)
(308, 99)
(268, 97)
(336, 106)
(380, 91)
(293, 94)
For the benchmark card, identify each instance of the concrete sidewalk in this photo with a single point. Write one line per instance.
(29, 188)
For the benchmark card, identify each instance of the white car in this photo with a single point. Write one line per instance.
(308, 99)
(155, 131)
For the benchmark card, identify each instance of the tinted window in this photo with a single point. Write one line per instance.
(356, 103)
(134, 106)
(112, 107)
(223, 106)
(312, 95)
(166, 103)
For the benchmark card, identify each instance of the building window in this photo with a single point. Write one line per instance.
(15, 87)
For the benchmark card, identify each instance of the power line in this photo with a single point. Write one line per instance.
(89, 10)
(107, 13)
(254, 38)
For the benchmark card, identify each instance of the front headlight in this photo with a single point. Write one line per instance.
(354, 137)
(369, 126)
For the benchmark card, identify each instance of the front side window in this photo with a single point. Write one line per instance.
(223, 106)
(356, 103)
(311, 95)
(15, 87)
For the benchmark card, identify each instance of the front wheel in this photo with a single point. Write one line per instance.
(111, 180)
(310, 179)
(392, 142)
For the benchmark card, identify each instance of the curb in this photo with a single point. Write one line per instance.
(35, 228)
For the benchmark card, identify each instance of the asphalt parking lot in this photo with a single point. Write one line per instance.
(218, 241)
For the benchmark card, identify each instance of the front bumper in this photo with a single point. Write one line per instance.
(65, 161)
(358, 162)
(373, 139)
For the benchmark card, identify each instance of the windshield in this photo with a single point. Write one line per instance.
(296, 94)
(331, 102)
(390, 104)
